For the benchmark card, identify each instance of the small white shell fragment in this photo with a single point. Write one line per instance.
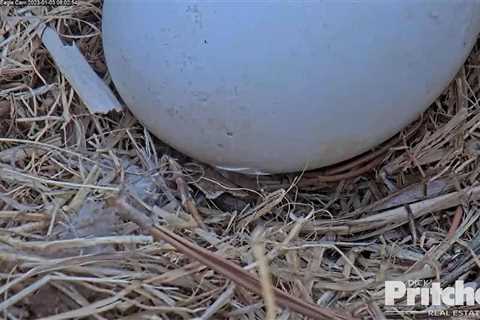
(282, 86)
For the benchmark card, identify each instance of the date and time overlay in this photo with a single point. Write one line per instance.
(22, 3)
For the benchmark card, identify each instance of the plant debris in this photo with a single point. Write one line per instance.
(100, 220)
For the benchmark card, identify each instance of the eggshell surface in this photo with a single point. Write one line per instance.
(281, 86)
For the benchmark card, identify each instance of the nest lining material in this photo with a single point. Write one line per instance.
(98, 220)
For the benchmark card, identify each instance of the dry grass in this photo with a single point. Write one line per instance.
(73, 185)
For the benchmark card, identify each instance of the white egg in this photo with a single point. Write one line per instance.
(280, 86)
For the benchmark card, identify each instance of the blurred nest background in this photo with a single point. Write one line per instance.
(75, 188)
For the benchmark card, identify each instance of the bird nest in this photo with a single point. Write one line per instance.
(99, 220)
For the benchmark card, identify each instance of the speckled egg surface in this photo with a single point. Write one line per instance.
(280, 86)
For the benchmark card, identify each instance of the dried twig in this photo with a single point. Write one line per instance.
(223, 266)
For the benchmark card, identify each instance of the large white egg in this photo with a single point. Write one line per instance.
(280, 86)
